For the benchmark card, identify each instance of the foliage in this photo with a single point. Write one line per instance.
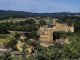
(32, 34)
(31, 43)
(42, 22)
(58, 45)
(13, 43)
(6, 56)
(17, 35)
(24, 53)
(3, 29)
(56, 35)
(68, 52)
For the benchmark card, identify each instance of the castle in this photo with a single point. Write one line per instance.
(47, 30)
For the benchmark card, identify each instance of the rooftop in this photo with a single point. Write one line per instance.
(64, 24)
(14, 52)
(44, 34)
(45, 26)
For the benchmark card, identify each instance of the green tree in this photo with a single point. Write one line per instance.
(42, 22)
(24, 53)
(6, 56)
(56, 35)
(17, 35)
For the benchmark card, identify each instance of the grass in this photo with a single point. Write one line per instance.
(10, 35)
(21, 19)
(2, 41)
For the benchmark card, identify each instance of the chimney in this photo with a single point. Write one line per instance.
(9, 46)
(0, 45)
(4, 46)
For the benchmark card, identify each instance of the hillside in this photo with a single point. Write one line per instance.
(4, 13)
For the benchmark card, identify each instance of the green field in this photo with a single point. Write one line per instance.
(21, 19)
(2, 41)
(10, 35)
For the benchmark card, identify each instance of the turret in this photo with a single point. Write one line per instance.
(49, 26)
(72, 28)
(54, 19)
(72, 25)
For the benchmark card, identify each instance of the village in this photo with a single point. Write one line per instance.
(45, 40)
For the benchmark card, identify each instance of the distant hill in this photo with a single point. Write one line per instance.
(4, 13)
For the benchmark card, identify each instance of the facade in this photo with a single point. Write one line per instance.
(46, 43)
(47, 34)
(62, 41)
(15, 53)
(5, 48)
(29, 47)
(23, 37)
(46, 31)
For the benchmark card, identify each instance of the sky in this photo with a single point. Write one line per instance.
(41, 6)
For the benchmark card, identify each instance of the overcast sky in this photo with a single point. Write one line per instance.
(41, 6)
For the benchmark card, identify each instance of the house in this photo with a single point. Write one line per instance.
(15, 53)
(5, 48)
(67, 41)
(62, 41)
(46, 43)
(23, 37)
(30, 48)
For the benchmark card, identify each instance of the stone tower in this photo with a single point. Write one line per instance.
(54, 20)
(72, 28)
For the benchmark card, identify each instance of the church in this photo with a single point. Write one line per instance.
(47, 30)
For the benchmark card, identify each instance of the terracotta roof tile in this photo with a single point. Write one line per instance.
(59, 39)
(72, 25)
(29, 45)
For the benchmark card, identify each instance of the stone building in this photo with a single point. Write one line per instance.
(47, 30)
(30, 48)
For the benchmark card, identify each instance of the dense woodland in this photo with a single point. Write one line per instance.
(4, 13)
(56, 52)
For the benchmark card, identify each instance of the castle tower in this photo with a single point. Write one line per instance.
(54, 20)
(48, 33)
(72, 25)
(72, 28)
(49, 26)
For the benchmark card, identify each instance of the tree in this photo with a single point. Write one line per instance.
(56, 35)
(58, 45)
(6, 56)
(42, 22)
(12, 43)
(24, 53)
(17, 35)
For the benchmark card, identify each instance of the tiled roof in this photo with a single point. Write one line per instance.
(59, 39)
(14, 52)
(64, 24)
(44, 34)
(29, 45)
(50, 42)
(45, 26)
